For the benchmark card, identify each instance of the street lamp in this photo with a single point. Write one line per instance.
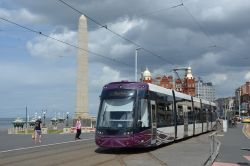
(67, 117)
(44, 115)
(239, 101)
(136, 53)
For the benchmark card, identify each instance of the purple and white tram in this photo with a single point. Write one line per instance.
(135, 114)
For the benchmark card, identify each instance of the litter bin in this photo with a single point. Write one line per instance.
(224, 125)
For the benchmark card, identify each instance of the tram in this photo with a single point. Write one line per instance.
(136, 114)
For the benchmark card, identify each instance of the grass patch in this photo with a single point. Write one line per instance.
(55, 131)
(30, 131)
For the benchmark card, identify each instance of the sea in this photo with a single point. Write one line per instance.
(6, 123)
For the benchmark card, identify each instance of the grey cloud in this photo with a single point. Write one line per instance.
(172, 34)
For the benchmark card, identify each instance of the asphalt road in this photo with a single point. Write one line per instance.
(63, 150)
(13, 141)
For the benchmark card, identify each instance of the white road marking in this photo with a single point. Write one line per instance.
(220, 135)
(32, 147)
(244, 131)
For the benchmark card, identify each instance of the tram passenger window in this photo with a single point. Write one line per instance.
(190, 115)
(197, 115)
(170, 111)
(143, 114)
(161, 115)
(180, 120)
(153, 113)
(204, 113)
(209, 115)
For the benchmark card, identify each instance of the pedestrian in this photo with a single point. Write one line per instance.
(78, 128)
(37, 130)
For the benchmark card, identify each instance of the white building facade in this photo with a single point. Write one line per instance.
(205, 90)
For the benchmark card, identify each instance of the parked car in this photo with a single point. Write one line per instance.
(245, 120)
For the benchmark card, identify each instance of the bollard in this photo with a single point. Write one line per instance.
(224, 125)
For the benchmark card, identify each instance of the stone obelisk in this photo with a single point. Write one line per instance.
(82, 71)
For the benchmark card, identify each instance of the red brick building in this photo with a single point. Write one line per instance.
(185, 85)
(244, 99)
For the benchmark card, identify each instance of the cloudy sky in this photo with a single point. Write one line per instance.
(213, 37)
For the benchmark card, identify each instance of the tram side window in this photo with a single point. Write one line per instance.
(143, 114)
(204, 114)
(197, 115)
(215, 113)
(209, 115)
(180, 120)
(198, 112)
(170, 113)
(161, 115)
(190, 116)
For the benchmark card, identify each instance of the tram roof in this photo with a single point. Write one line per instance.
(155, 88)
(160, 89)
(182, 95)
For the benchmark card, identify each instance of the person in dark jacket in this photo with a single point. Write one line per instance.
(37, 130)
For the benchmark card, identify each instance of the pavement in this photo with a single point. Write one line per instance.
(235, 147)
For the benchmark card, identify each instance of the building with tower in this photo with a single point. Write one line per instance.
(146, 76)
(185, 85)
(189, 83)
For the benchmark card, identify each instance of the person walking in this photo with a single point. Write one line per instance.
(78, 129)
(37, 130)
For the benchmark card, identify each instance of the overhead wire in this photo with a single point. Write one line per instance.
(199, 25)
(61, 41)
(117, 34)
(159, 10)
(213, 44)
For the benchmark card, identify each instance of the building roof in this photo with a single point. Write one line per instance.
(146, 73)
(189, 73)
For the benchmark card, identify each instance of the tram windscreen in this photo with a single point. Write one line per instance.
(116, 113)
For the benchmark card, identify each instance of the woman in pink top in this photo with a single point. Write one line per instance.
(78, 129)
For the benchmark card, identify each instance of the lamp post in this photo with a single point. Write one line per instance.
(136, 53)
(67, 117)
(44, 115)
(239, 100)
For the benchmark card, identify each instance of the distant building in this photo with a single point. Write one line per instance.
(242, 94)
(226, 107)
(245, 89)
(185, 85)
(205, 91)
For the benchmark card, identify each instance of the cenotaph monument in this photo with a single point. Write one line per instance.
(82, 74)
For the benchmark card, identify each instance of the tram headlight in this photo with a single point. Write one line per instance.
(127, 133)
(100, 132)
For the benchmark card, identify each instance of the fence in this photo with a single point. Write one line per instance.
(214, 148)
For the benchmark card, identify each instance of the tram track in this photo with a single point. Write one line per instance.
(156, 159)
(43, 154)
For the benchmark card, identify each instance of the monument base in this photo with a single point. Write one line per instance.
(66, 130)
(85, 121)
(44, 130)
